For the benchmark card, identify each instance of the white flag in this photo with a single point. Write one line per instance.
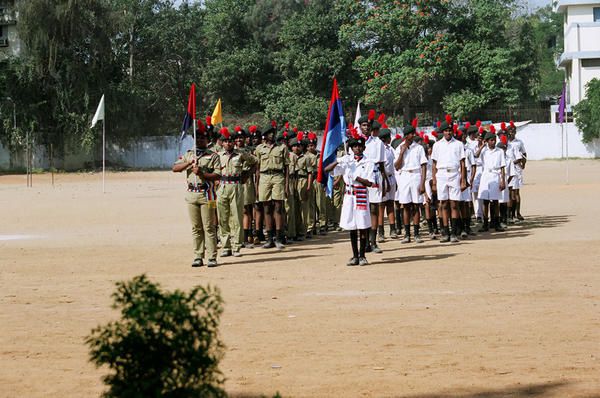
(99, 112)
(357, 116)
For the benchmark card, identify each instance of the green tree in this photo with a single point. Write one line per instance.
(587, 112)
(165, 344)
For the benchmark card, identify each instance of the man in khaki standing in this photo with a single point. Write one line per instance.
(200, 168)
(230, 200)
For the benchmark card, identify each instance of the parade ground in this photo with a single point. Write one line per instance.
(501, 315)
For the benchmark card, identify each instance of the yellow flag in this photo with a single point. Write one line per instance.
(217, 116)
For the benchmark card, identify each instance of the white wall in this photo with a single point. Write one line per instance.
(544, 141)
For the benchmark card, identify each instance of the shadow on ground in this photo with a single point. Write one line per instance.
(529, 391)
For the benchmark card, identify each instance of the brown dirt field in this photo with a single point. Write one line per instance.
(510, 314)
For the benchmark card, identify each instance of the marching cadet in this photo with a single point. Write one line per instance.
(430, 197)
(387, 204)
(201, 168)
(517, 145)
(357, 171)
(510, 173)
(230, 196)
(272, 182)
(258, 212)
(449, 178)
(492, 181)
(411, 170)
(313, 161)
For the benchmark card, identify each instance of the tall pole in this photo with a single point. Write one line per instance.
(103, 153)
(567, 147)
(195, 151)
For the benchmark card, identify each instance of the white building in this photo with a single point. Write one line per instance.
(10, 45)
(581, 56)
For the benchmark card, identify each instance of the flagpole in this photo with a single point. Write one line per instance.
(567, 147)
(103, 154)
(195, 152)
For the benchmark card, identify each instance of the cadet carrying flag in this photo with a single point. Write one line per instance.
(190, 115)
(217, 116)
(333, 137)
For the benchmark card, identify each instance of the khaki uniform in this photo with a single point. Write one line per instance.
(201, 214)
(230, 200)
(338, 193)
(248, 181)
(272, 161)
(312, 162)
(305, 168)
(321, 201)
(291, 203)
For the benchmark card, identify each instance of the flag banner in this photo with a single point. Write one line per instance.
(99, 115)
(562, 104)
(334, 135)
(190, 115)
(217, 115)
(357, 116)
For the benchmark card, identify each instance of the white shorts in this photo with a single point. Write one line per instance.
(476, 181)
(489, 188)
(448, 186)
(408, 188)
(465, 196)
(391, 194)
(428, 190)
(375, 192)
(355, 211)
(504, 196)
(516, 182)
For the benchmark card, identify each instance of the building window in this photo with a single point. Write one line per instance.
(2, 32)
(591, 63)
(596, 14)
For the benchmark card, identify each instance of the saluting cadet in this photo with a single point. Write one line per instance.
(272, 182)
(411, 168)
(201, 167)
(514, 142)
(493, 180)
(449, 178)
(357, 171)
(230, 200)
(387, 204)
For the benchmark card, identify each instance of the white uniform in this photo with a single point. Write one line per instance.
(355, 208)
(428, 178)
(409, 176)
(493, 161)
(516, 151)
(448, 155)
(509, 171)
(391, 173)
(465, 196)
(375, 152)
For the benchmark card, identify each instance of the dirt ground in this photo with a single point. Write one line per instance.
(507, 314)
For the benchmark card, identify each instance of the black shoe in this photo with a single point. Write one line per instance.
(197, 262)
(375, 249)
(499, 228)
(212, 263)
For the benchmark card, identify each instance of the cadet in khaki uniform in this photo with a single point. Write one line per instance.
(248, 186)
(291, 201)
(201, 167)
(230, 201)
(304, 184)
(313, 162)
(272, 182)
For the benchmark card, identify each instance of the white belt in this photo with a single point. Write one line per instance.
(448, 169)
(411, 171)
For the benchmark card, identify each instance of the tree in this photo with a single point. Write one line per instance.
(166, 344)
(587, 112)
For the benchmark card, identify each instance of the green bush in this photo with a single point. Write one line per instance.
(587, 112)
(165, 344)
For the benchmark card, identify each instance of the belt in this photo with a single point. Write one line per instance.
(272, 172)
(496, 171)
(448, 169)
(231, 179)
(302, 175)
(412, 171)
(197, 188)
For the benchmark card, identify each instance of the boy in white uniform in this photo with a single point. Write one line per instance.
(510, 174)
(517, 146)
(375, 152)
(387, 204)
(466, 195)
(492, 181)
(449, 178)
(411, 170)
(357, 171)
